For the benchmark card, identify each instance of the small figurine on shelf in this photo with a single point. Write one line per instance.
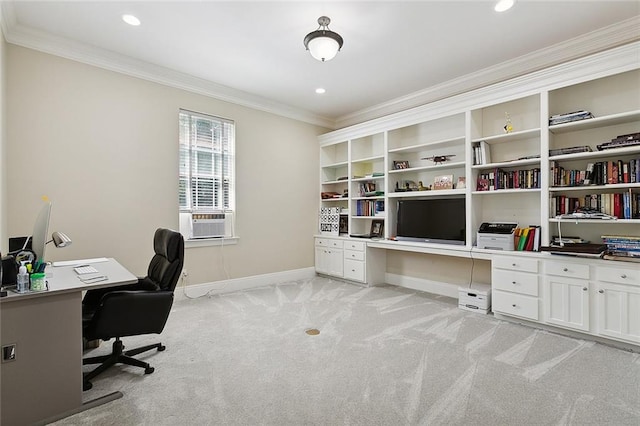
(421, 187)
(508, 128)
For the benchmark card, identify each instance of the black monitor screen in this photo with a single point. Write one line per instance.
(432, 220)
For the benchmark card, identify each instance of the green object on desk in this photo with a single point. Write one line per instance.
(38, 281)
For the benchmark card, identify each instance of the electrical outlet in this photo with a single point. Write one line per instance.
(9, 353)
(185, 274)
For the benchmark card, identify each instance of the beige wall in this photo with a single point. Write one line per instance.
(456, 271)
(4, 245)
(103, 147)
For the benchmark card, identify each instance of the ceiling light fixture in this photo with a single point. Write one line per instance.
(131, 20)
(323, 44)
(503, 5)
(320, 91)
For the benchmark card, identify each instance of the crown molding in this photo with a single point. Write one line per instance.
(596, 41)
(613, 61)
(30, 38)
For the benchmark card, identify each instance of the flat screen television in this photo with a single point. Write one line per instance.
(434, 220)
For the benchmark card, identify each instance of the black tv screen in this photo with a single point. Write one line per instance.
(432, 221)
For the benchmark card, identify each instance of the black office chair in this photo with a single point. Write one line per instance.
(141, 308)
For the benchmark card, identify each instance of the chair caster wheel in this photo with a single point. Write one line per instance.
(161, 348)
(86, 385)
(149, 370)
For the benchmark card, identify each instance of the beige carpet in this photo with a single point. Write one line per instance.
(384, 356)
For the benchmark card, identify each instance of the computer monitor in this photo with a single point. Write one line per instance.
(41, 232)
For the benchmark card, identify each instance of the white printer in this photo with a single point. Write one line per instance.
(496, 236)
(475, 298)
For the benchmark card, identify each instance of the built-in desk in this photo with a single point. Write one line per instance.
(44, 382)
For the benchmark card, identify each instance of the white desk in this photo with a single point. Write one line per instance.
(44, 382)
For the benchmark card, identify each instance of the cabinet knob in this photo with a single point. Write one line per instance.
(565, 269)
(514, 305)
(353, 255)
(601, 291)
(353, 270)
(513, 282)
(623, 276)
(584, 289)
(513, 264)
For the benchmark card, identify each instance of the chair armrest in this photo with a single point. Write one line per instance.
(128, 313)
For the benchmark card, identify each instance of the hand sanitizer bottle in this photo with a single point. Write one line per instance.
(23, 279)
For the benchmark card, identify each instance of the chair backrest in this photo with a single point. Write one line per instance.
(166, 265)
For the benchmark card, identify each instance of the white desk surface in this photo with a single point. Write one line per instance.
(63, 279)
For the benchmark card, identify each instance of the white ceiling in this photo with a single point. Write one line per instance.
(395, 55)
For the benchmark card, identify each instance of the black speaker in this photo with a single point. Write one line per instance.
(9, 271)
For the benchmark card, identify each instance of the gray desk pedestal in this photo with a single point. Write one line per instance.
(46, 378)
(44, 382)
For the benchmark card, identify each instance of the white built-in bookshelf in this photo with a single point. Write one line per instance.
(391, 152)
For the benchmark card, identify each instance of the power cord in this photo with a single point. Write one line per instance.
(184, 275)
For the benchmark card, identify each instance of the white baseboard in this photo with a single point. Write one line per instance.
(227, 286)
(435, 287)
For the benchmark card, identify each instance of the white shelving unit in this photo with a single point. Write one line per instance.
(530, 286)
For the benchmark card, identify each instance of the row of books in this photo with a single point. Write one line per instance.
(599, 173)
(508, 179)
(622, 246)
(369, 207)
(569, 117)
(621, 205)
(527, 239)
(620, 141)
(481, 153)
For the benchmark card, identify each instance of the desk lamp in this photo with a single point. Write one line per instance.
(59, 239)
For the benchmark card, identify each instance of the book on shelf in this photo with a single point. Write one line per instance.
(583, 249)
(569, 150)
(631, 139)
(569, 117)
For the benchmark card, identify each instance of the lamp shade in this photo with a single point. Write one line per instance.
(60, 239)
(323, 48)
(323, 44)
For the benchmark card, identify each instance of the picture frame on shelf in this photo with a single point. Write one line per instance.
(344, 224)
(443, 182)
(401, 164)
(462, 182)
(377, 228)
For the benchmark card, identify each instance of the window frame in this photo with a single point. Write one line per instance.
(206, 158)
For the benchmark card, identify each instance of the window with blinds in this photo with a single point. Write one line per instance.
(206, 163)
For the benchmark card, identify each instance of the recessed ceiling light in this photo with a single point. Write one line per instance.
(503, 5)
(131, 20)
(320, 90)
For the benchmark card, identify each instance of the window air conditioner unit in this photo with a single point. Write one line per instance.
(207, 225)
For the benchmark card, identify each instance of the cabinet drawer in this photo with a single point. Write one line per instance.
(354, 245)
(515, 304)
(515, 264)
(354, 270)
(517, 282)
(567, 269)
(329, 242)
(618, 275)
(322, 242)
(353, 255)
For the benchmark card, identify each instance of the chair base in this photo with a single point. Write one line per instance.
(118, 356)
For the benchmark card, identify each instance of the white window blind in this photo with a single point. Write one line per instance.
(206, 163)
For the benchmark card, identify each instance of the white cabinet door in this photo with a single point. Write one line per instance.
(322, 260)
(329, 261)
(618, 311)
(335, 262)
(566, 302)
